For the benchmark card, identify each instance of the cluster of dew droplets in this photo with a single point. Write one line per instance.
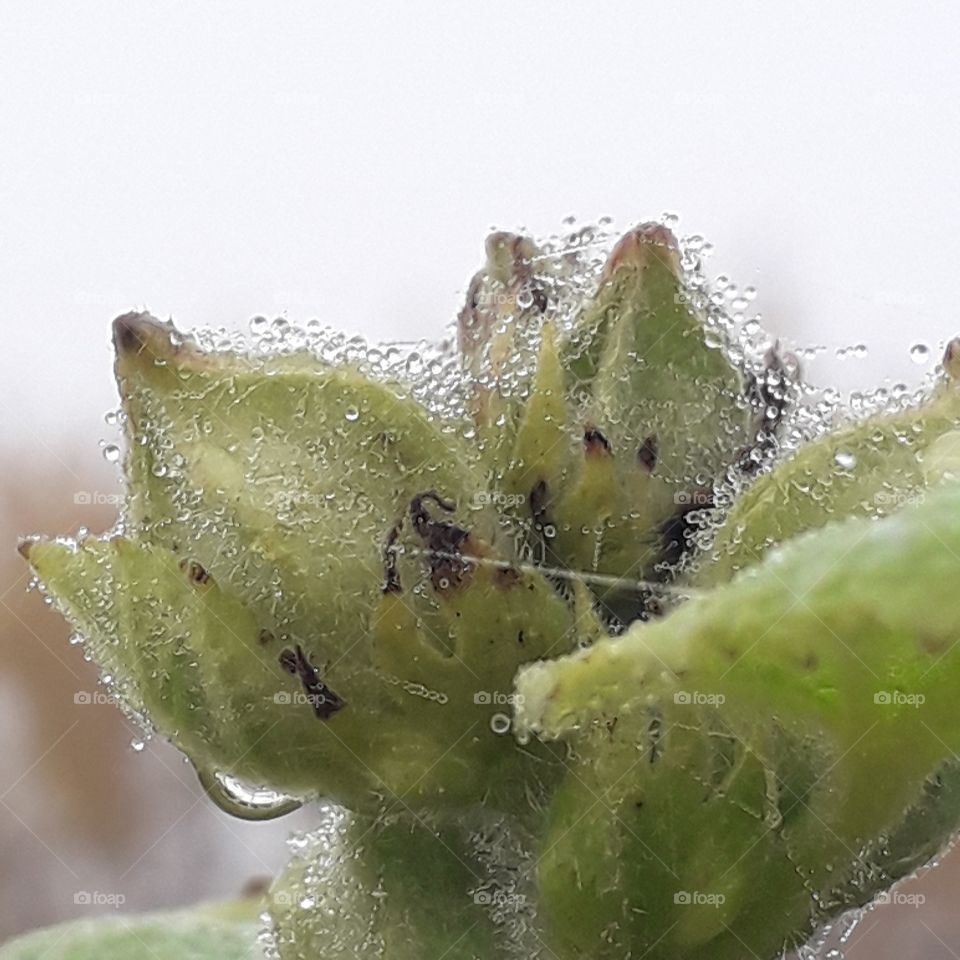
(810, 411)
(113, 689)
(508, 887)
(326, 895)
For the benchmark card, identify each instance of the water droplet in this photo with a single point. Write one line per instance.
(845, 460)
(247, 803)
(352, 414)
(500, 723)
(137, 745)
(919, 353)
(525, 298)
(111, 453)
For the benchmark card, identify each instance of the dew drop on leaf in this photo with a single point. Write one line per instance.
(500, 723)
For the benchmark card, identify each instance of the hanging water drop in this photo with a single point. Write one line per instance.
(243, 802)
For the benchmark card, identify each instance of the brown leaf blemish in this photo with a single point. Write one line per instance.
(195, 572)
(595, 444)
(444, 542)
(647, 454)
(324, 701)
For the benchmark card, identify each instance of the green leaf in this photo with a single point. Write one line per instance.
(397, 889)
(208, 933)
(781, 747)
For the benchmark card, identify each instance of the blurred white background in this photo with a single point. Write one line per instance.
(212, 161)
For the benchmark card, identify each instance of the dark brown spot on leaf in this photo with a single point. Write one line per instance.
(324, 701)
(506, 577)
(196, 574)
(595, 443)
(647, 454)
(444, 541)
(391, 575)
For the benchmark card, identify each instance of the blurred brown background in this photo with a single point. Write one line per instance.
(81, 812)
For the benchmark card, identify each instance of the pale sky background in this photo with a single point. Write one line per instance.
(213, 161)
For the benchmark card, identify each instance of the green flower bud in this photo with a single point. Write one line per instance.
(311, 592)
(496, 335)
(663, 414)
(396, 887)
(741, 772)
